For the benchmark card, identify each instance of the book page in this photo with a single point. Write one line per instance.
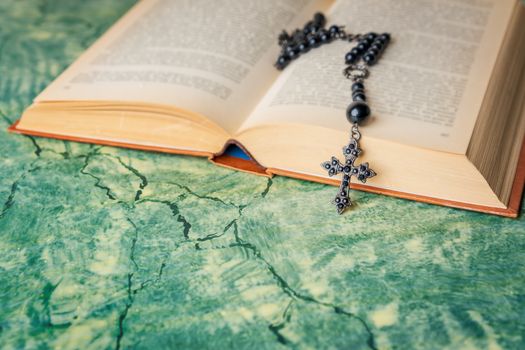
(427, 88)
(210, 57)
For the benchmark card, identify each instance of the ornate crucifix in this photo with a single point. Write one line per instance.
(349, 169)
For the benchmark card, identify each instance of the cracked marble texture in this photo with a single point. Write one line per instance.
(105, 248)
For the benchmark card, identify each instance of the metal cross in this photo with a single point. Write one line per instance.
(349, 169)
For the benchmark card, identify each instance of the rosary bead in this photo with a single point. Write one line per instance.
(377, 46)
(367, 42)
(334, 30)
(324, 36)
(373, 52)
(282, 62)
(350, 58)
(311, 28)
(357, 112)
(380, 42)
(358, 86)
(319, 19)
(303, 47)
(362, 46)
(371, 36)
(293, 54)
(358, 91)
(307, 27)
(356, 51)
(359, 97)
(370, 59)
(313, 42)
(385, 37)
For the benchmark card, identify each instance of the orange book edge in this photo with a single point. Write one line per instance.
(253, 167)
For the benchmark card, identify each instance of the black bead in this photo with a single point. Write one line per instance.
(334, 162)
(313, 42)
(340, 206)
(370, 59)
(350, 58)
(319, 19)
(308, 27)
(385, 37)
(324, 36)
(356, 52)
(377, 46)
(366, 41)
(293, 54)
(358, 86)
(346, 169)
(371, 36)
(361, 177)
(351, 146)
(303, 47)
(331, 172)
(380, 41)
(354, 171)
(358, 91)
(373, 52)
(327, 166)
(334, 30)
(345, 200)
(359, 97)
(362, 47)
(282, 62)
(343, 193)
(368, 173)
(362, 168)
(345, 183)
(337, 199)
(357, 112)
(311, 29)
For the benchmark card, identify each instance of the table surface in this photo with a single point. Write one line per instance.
(111, 248)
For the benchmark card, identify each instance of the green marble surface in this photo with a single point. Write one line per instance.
(110, 248)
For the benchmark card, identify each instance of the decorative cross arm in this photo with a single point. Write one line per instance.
(362, 171)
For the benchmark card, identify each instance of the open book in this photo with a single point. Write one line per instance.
(193, 77)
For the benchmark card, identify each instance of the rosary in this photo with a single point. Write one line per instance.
(368, 49)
